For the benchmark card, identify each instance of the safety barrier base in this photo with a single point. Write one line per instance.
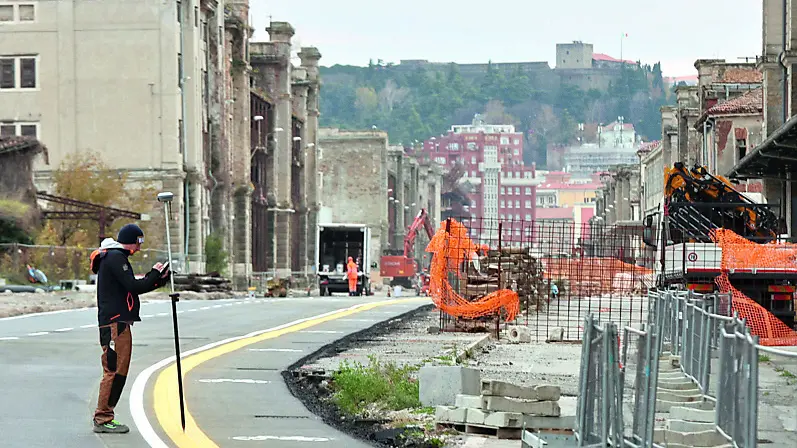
(547, 439)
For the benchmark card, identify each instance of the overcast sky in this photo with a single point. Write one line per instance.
(675, 32)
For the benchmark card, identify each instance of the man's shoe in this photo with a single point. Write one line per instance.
(112, 427)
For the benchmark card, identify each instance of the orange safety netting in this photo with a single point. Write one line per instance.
(598, 275)
(740, 253)
(450, 247)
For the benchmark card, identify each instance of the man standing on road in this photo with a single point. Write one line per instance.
(117, 308)
(351, 274)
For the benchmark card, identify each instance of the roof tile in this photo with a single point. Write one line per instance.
(749, 103)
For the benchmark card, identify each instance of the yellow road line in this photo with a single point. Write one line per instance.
(166, 401)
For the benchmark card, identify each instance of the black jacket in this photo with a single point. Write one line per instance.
(118, 289)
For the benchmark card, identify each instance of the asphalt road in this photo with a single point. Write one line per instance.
(50, 370)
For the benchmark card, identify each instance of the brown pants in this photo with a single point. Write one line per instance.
(117, 346)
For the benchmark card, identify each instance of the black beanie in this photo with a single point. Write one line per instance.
(129, 234)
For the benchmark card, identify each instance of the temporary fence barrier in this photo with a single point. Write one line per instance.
(602, 401)
(646, 347)
(697, 326)
(599, 415)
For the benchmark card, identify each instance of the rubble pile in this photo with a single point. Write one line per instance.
(509, 268)
(202, 283)
(504, 409)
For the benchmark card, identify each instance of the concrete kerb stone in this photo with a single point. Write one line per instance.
(540, 408)
(503, 389)
(468, 401)
(472, 347)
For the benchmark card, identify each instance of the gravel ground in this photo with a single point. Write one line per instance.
(13, 304)
(531, 364)
(409, 341)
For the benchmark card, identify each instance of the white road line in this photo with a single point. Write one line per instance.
(228, 380)
(44, 313)
(283, 438)
(140, 384)
(61, 330)
(190, 311)
(88, 326)
(39, 333)
(217, 306)
(205, 308)
(162, 314)
(289, 350)
(147, 316)
(321, 331)
(9, 338)
(358, 320)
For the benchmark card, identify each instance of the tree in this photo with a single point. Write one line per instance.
(85, 177)
(494, 113)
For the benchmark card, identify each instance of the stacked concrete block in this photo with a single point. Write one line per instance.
(440, 385)
(503, 409)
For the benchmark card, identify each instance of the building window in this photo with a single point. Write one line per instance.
(18, 72)
(517, 190)
(179, 11)
(453, 146)
(508, 204)
(196, 16)
(473, 160)
(528, 218)
(504, 140)
(24, 129)
(528, 204)
(517, 141)
(503, 204)
(503, 190)
(528, 189)
(517, 204)
(17, 12)
(741, 149)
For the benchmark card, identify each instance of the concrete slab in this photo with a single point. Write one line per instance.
(687, 426)
(476, 416)
(468, 401)
(692, 415)
(693, 439)
(440, 385)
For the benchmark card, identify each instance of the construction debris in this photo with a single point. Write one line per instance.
(503, 409)
(202, 283)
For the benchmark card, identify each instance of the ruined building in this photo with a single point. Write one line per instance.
(284, 108)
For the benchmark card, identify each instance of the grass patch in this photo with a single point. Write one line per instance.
(386, 385)
(764, 358)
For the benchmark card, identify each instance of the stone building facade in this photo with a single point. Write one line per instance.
(285, 112)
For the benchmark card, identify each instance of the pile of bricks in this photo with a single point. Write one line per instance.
(503, 410)
(509, 268)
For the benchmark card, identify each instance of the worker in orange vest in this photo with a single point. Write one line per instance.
(351, 273)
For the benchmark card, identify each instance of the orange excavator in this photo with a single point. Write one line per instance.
(402, 267)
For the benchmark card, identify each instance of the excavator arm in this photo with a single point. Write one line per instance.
(421, 220)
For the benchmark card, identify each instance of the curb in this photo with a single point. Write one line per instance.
(473, 346)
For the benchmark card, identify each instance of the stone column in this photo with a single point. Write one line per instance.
(310, 57)
(240, 148)
(398, 238)
(299, 177)
(280, 35)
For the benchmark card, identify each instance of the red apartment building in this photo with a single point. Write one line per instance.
(492, 158)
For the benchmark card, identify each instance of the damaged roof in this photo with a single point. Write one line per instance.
(751, 102)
